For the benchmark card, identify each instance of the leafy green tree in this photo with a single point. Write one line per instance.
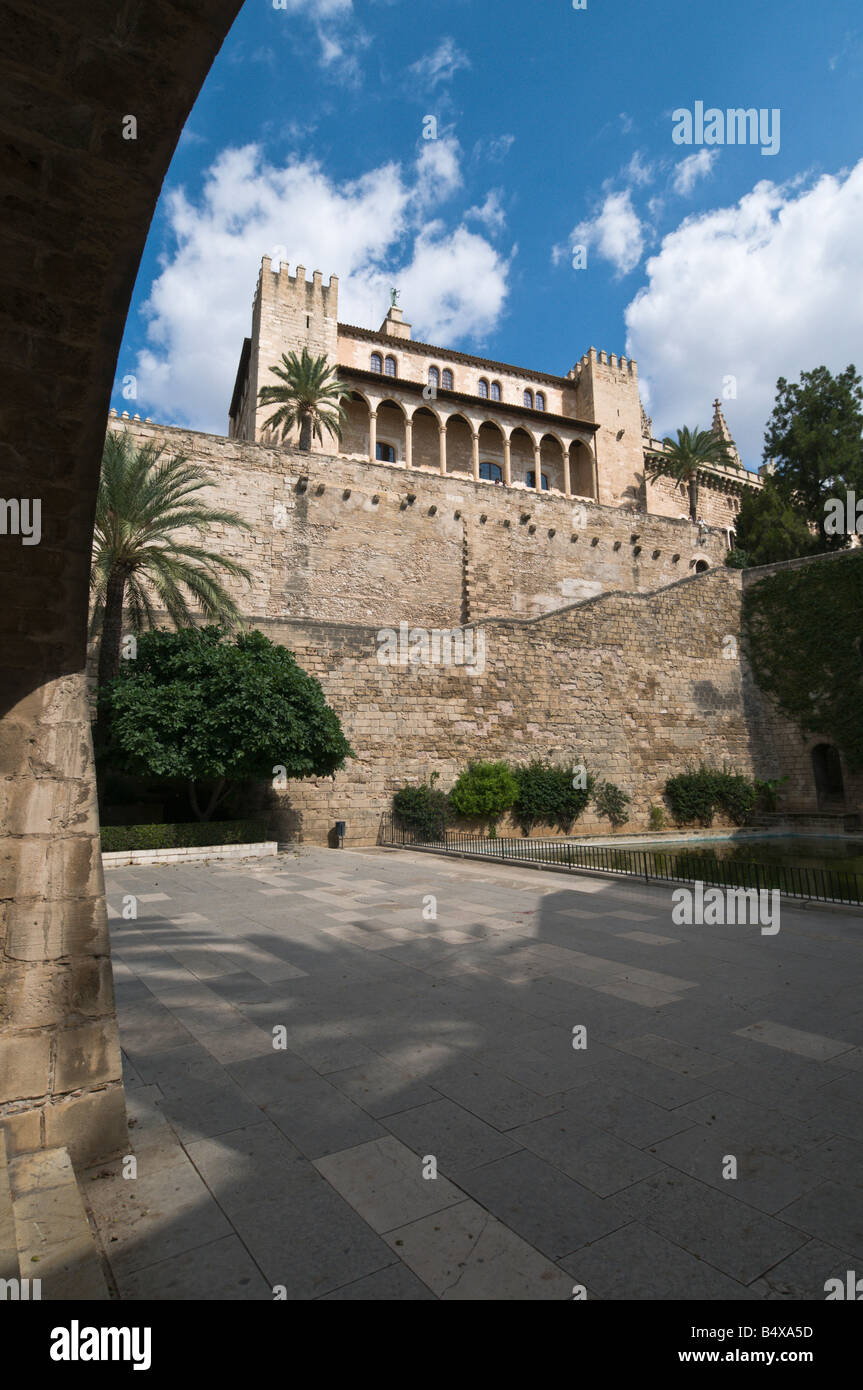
(770, 526)
(484, 791)
(815, 437)
(611, 801)
(145, 499)
(684, 457)
(196, 706)
(309, 397)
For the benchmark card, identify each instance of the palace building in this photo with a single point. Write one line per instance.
(417, 406)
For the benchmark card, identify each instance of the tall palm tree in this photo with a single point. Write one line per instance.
(683, 457)
(310, 397)
(144, 500)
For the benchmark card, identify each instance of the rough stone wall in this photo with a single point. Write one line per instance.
(78, 199)
(352, 546)
(636, 686)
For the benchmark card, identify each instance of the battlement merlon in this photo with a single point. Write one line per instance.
(627, 366)
(276, 282)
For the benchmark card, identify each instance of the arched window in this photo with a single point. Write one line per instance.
(483, 388)
(528, 399)
(543, 480)
(447, 380)
(385, 453)
(434, 377)
(701, 567)
(491, 471)
(540, 401)
(377, 362)
(495, 390)
(391, 367)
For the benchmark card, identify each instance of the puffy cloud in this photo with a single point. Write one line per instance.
(490, 212)
(615, 231)
(742, 295)
(372, 232)
(692, 168)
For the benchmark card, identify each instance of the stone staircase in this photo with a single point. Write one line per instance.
(44, 1231)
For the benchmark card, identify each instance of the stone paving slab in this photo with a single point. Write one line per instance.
(298, 1166)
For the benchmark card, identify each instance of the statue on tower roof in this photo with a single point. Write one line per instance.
(394, 298)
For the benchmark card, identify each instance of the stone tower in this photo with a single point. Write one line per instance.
(606, 393)
(288, 314)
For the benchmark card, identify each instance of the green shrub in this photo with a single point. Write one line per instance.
(657, 818)
(547, 796)
(422, 809)
(767, 790)
(697, 794)
(484, 791)
(179, 836)
(611, 802)
(737, 560)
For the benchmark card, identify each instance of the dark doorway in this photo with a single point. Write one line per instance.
(827, 767)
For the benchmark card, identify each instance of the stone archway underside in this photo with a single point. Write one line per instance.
(77, 203)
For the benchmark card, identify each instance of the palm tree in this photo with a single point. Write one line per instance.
(683, 457)
(144, 499)
(310, 397)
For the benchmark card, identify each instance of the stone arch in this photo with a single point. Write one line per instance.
(582, 474)
(425, 430)
(355, 427)
(459, 444)
(391, 428)
(491, 447)
(700, 565)
(551, 453)
(521, 443)
(827, 774)
(77, 218)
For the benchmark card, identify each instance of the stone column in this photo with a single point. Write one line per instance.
(507, 462)
(409, 442)
(537, 467)
(566, 480)
(476, 458)
(373, 436)
(442, 429)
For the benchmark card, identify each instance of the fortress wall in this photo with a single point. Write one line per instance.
(374, 556)
(636, 686)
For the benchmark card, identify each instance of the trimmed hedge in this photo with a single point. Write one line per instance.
(423, 809)
(182, 836)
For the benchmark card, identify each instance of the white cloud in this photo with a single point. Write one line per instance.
(372, 232)
(768, 287)
(615, 231)
(692, 168)
(491, 212)
(639, 173)
(439, 66)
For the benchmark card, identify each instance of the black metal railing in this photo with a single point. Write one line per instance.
(681, 866)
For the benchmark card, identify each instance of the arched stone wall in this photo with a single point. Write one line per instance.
(78, 198)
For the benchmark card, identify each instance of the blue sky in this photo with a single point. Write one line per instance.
(718, 267)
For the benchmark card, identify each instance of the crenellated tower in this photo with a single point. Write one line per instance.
(289, 313)
(606, 393)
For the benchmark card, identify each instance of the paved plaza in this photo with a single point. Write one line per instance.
(311, 1038)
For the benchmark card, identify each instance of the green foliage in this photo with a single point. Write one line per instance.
(197, 706)
(484, 791)
(309, 397)
(771, 526)
(683, 457)
(814, 438)
(546, 796)
(767, 791)
(657, 818)
(738, 559)
(423, 809)
(175, 836)
(611, 802)
(139, 559)
(803, 637)
(697, 794)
